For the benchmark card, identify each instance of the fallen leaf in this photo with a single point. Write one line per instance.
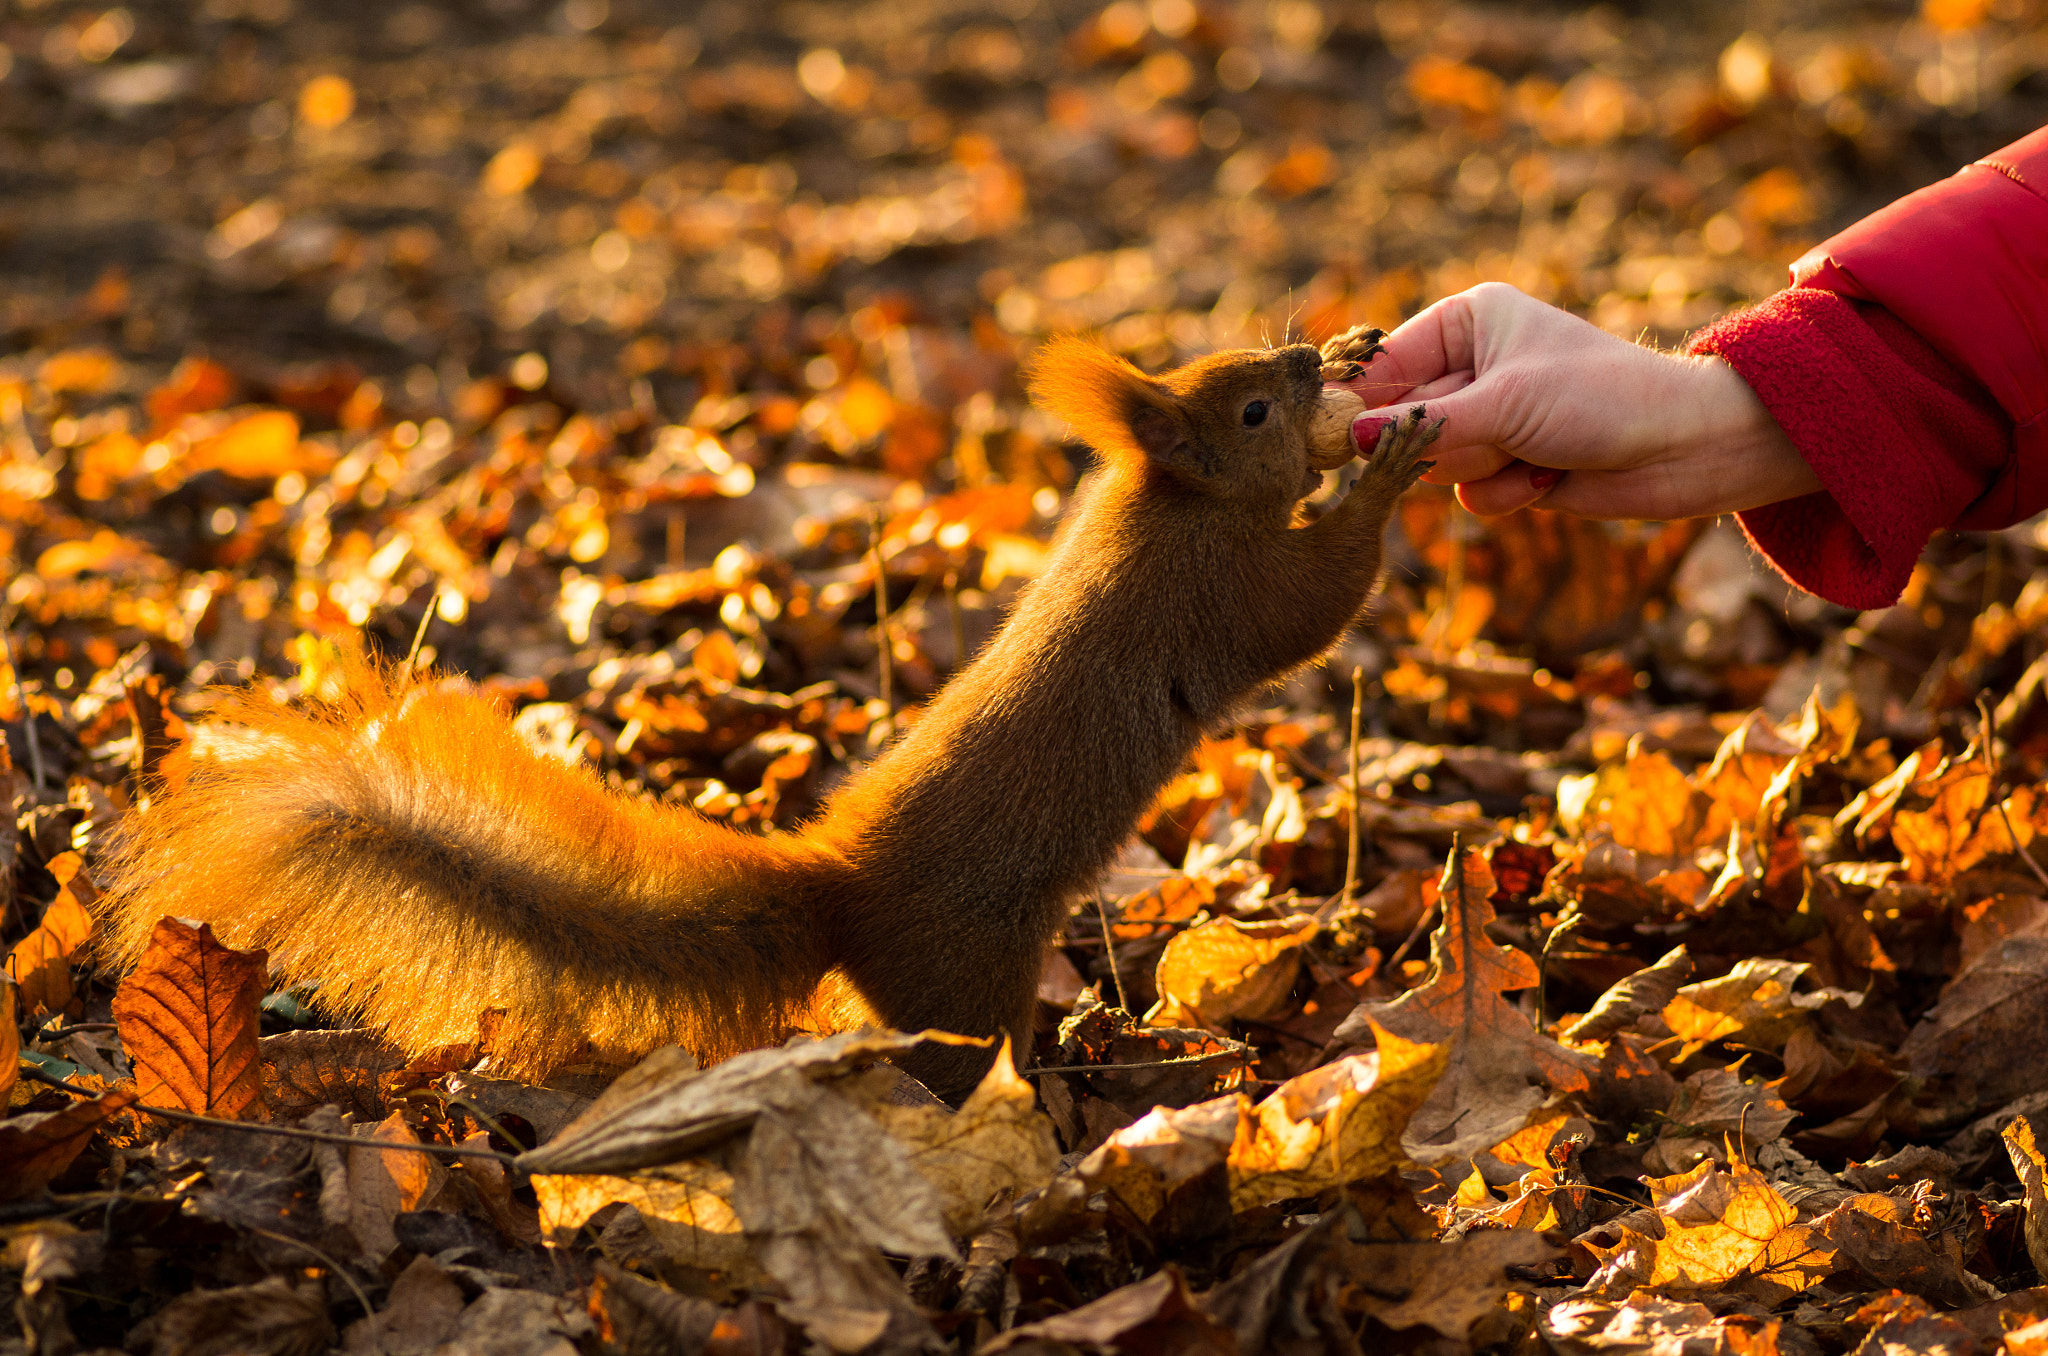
(1157, 1314)
(1500, 1068)
(40, 963)
(1220, 970)
(276, 1316)
(383, 1184)
(2033, 1172)
(38, 1145)
(189, 1016)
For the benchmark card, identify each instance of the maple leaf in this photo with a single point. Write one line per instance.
(1501, 1069)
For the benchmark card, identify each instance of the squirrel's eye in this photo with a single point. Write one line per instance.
(1255, 414)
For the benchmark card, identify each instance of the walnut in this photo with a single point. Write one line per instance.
(1329, 428)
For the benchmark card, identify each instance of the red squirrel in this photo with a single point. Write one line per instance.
(405, 848)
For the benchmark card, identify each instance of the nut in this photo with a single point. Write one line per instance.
(1329, 428)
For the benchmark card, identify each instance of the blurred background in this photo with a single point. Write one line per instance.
(608, 329)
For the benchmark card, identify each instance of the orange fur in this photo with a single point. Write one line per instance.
(407, 850)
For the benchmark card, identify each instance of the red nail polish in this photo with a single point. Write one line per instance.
(1366, 430)
(1543, 477)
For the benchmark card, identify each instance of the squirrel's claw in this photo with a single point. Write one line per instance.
(1397, 455)
(1345, 355)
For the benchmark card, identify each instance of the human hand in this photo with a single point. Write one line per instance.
(1539, 405)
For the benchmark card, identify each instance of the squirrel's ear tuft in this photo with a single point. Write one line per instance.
(1110, 405)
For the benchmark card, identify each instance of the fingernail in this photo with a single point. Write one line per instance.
(1366, 430)
(1543, 477)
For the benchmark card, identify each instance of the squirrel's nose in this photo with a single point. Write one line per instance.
(1304, 363)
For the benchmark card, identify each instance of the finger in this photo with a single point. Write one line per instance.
(1468, 441)
(1516, 485)
(1435, 341)
(1458, 465)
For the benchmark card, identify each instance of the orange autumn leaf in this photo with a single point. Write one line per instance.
(1224, 969)
(1501, 1068)
(188, 1018)
(40, 963)
(36, 1147)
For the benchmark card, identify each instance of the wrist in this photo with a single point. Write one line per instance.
(1746, 457)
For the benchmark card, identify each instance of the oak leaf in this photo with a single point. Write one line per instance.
(1500, 1068)
(188, 1017)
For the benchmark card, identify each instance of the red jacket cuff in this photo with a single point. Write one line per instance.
(1901, 441)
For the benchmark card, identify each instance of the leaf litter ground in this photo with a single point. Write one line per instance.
(659, 371)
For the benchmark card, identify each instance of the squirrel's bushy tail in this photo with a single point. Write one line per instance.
(402, 846)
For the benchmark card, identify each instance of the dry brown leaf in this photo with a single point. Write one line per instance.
(306, 1069)
(999, 1141)
(1754, 1004)
(419, 1315)
(188, 1016)
(645, 1319)
(1443, 1286)
(2028, 1162)
(1500, 1068)
(1889, 1240)
(686, 1208)
(1645, 803)
(38, 1145)
(382, 1184)
(1343, 1122)
(1990, 1025)
(675, 1109)
(40, 963)
(1650, 1325)
(1157, 1314)
(277, 1316)
(1646, 991)
(1717, 1226)
(1224, 969)
(1146, 1165)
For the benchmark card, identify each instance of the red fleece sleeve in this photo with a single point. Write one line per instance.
(1902, 441)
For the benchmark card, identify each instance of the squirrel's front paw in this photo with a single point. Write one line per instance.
(1397, 456)
(1345, 355)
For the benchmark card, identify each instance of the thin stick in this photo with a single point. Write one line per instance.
(1182, 1062)
(28, 716)
(1567, 923)
(280, 1131)
(1991, 790)
(887, 667)
(1123, 1000)
(419, 636)
(1351, 852)
(674, 537)
(369, 1310)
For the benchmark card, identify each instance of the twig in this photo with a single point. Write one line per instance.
(280, 1131)
(1415, 933)
(1351, 852)
(369, 1310)
(419, 636)
(28, 715)
(1991, 790)
(1183, 1062)
(885, 659)
(1123, 1000)
(1568, 923)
